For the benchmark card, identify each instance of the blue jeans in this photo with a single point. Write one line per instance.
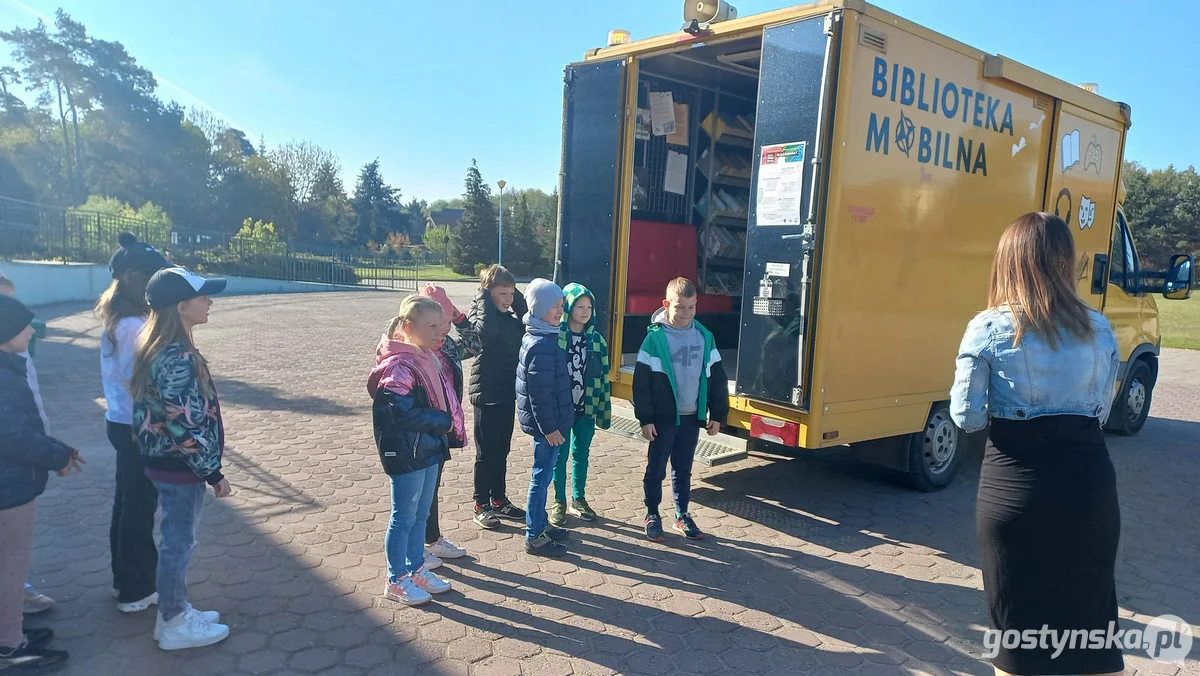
(412, 494)
(181, 505)
(676, 443)
(544, 458)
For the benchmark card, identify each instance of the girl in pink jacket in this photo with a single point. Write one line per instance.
(417, 418)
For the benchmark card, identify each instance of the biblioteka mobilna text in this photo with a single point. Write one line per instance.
(932, 95)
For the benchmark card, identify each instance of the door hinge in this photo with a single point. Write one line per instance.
(831, 20)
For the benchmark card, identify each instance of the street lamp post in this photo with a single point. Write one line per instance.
(500, 228)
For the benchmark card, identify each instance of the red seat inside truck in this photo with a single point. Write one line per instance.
(658, 253)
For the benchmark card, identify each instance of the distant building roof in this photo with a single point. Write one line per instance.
(449, 217)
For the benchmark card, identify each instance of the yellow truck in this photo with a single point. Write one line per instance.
(835, 179)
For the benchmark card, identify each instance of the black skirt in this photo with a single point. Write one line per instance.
(1048, 524)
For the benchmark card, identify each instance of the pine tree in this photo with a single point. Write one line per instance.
(327, 215)
(378, 207)
(522, 252)
(474, 242)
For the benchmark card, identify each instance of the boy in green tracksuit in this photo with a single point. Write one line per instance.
(679, 386)
(587, 365)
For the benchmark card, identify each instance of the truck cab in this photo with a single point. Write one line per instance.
(1129, 304)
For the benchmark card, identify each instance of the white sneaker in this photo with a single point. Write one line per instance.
(190, 630)
(139, 606)
(207, 615)
(432, 561)
(430, 582)
(446, 549)
(407, 592)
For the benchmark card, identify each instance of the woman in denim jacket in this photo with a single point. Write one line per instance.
(1041, 365)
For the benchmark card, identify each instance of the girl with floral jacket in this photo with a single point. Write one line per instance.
(178, 427)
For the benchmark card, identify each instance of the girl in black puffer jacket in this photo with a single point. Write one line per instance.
(496, 314)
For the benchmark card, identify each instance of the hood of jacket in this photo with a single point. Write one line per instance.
(388, 354)
(660, 318)
(397, 368)
(573, 292)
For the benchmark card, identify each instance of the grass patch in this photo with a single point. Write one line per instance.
(1180, 322)
(441, 273)
(427, 273)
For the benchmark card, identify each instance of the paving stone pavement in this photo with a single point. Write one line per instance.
(813, 564)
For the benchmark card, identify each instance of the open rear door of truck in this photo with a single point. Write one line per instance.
(594, 124)
(795, 86)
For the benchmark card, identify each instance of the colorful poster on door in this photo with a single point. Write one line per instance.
(780, 184)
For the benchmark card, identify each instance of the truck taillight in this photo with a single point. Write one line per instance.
(776, 431)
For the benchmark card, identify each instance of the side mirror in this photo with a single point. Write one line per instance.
(1180, 279)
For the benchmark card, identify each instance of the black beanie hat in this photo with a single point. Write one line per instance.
(135, 255)
(14, 317)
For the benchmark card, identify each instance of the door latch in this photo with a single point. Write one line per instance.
(1099, 273)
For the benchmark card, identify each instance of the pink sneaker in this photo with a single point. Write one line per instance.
(430, 582)
(406, 591)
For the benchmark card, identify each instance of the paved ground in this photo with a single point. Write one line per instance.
(815, 564)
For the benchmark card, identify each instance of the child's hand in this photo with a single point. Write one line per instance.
(556, 438)
(75, 464)
(438, 294)
(649, 432)
(222, 489)
(713, 427)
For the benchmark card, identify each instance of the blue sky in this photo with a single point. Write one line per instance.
(427, 86)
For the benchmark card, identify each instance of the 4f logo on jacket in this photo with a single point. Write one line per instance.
(687, 356)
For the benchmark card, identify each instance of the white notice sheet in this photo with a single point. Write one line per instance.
(662, 113)
(780, 184)
(676, 179)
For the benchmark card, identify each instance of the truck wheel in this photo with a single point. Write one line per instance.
(935, 452)
(1132, 406)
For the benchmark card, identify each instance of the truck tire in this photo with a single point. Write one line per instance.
(1132, 405)
(935, 453)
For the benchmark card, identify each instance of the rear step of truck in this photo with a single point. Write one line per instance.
(711, 451)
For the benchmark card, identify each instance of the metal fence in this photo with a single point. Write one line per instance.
(47, 233)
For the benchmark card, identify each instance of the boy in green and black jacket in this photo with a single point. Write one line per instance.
(587, 366)
(679, 386)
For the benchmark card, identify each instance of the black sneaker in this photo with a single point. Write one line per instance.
(557, 534)
(654, 529)
(543, 545)
(686, 527)
(25, 656)
(507, 510)
(485, 517)
(39, 637)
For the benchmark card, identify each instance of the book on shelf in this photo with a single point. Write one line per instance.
(723, 283)
(726, 163)
(721, 125)
(720, 242)
(724, 205)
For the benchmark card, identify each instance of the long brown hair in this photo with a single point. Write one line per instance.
(1034, 276)
(162, 328)
(125, 297)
